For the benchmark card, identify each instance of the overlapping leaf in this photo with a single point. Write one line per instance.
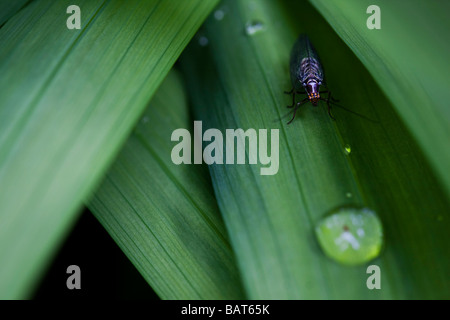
(408, 58)
(323, 164)
(68, 100)
(164, 216)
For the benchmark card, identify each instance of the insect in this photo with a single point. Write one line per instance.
(307, 75)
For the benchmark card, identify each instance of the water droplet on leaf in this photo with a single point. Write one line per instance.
(347, 149)
(253, 27)
(219, 14)
(350, 235)
(203, 41)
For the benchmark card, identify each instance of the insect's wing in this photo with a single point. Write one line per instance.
(298, 53)
(303, 49)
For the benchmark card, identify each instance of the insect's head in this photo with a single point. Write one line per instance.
(314, 98)
(312, 88)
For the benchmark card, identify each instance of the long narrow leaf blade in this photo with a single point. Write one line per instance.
(408, 58)
(9, 8)
(323, 164)
(164, 216)
(68, 100)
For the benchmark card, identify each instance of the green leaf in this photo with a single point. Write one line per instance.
(68, 100)
(9, 8)
(237, 81)
(165, 216)
(408, 58)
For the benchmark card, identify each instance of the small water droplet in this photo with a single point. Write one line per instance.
(349, 195)
(203, 41)
(347, 149)
(350, 235)
(145, 119)
(253, 27)
(219, 14)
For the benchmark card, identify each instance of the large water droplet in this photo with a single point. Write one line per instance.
(350, 235)
(253, 27)
(347, 149)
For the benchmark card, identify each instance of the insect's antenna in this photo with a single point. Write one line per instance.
(348, 110)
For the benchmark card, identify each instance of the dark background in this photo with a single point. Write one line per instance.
(106, 273)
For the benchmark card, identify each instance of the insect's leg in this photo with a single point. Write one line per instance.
(293, 117)
(293, 99)
(329, 112)
(327, 100)
(293, 96)
(329, 95)
(331, 98)
(296, 107)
